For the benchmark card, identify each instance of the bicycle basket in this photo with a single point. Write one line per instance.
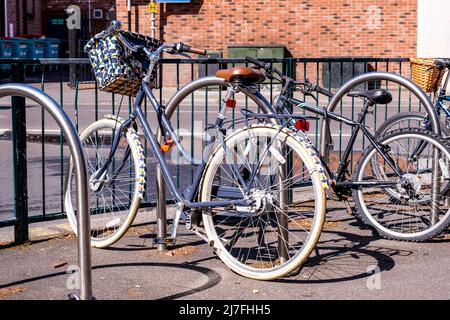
(114, 68)
(425, 74)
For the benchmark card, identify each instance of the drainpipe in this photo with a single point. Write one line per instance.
(89, 18)
(6, 18)
(129, 14)
(25, 17)
(17, 31)
(153, 21)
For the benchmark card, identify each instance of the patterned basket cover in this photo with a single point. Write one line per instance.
(114, 70)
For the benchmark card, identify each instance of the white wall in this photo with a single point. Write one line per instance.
(433, 29)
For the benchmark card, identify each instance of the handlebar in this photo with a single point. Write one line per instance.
(308, 87)
(257, 62)
(267, 66)
(442, 63)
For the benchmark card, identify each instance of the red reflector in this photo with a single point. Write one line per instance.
(302, 125)
(231, 103)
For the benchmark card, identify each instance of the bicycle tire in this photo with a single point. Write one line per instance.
(137, 182)
(369, 218)
(216, 235)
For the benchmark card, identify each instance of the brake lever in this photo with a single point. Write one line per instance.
(308, 84)
(311, 95)
(184, 55)
(306, 90)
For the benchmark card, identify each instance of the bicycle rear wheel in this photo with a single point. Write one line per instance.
(405, 120)
(276, 234)
(405, 210)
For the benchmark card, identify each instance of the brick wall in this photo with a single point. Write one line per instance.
(308, 28)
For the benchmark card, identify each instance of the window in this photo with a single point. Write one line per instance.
(57, 21)
(97, 14)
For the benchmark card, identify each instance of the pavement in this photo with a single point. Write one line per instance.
(349, 263)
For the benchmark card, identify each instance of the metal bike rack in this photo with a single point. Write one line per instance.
(411, 86)
(71, 135)
(161, 212)
(374, 76)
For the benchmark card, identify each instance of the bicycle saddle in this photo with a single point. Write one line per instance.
(241, 74)
(377, 96)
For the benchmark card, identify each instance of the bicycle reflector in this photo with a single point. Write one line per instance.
(302, 124)
(231, 103)
(165, 147)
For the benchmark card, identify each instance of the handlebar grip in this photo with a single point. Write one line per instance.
(181, 47)
(198, 51)
(255, 62)
(323, 91)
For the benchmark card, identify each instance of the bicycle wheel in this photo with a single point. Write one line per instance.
(116, 196)
(413, 119)
(276, 234)
(405, 210)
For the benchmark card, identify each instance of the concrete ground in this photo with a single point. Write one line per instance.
(350, 263)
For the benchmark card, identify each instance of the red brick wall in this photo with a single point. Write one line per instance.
(308, 28)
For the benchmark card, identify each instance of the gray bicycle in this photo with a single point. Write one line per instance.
(257, 196)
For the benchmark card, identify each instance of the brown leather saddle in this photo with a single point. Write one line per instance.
(242, 74)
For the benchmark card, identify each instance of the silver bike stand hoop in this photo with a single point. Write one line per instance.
(76, 150)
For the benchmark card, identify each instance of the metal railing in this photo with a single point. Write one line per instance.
(84, 103)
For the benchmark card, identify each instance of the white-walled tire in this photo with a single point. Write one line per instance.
(278, 222)
(115, 204)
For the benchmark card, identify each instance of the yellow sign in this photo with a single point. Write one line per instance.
(152, 7)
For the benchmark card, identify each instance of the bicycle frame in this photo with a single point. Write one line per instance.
(443, 97)
(339, 180)
(137, 113)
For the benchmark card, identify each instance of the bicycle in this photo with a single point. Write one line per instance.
(244, 201)
(418, 119)
(386, 172)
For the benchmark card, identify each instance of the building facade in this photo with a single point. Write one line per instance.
(47, 17)
(307, 28)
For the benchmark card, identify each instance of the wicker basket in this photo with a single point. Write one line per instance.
(425, 74)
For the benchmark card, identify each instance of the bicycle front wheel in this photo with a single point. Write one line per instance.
(404, 210)
(116, 196)
(276, 234)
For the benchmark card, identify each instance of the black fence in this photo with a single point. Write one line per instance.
(46, 151)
